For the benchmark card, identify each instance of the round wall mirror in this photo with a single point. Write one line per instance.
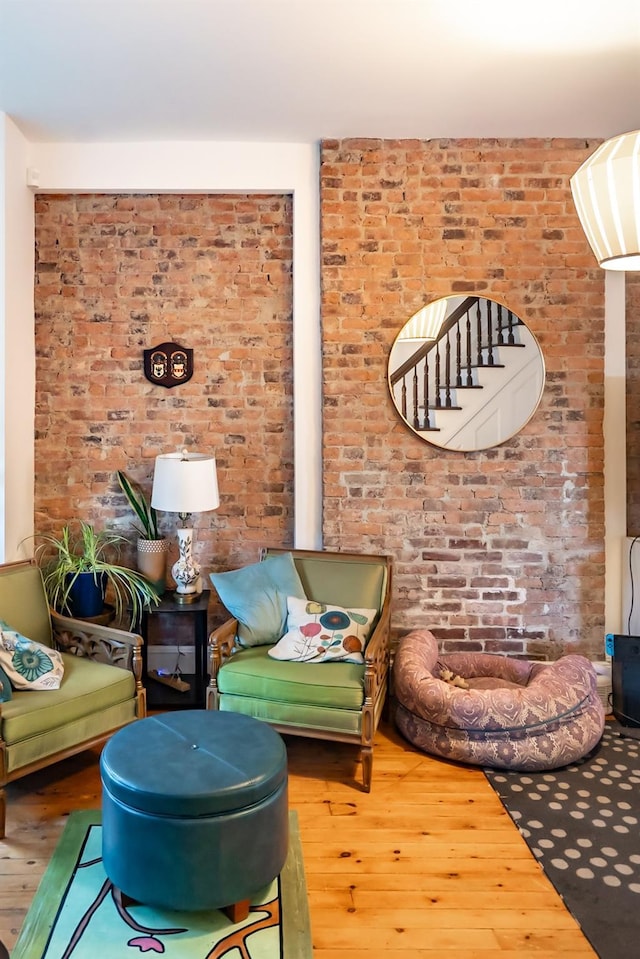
(465, 373)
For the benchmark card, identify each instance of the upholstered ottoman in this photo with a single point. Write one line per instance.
(194, 810)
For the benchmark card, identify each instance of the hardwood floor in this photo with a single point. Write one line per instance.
(427, 865)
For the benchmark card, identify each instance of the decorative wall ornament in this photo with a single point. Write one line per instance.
(168, 364)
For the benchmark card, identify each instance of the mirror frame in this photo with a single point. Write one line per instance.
(444, 348)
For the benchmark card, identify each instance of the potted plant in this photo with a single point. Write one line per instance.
(152, 546)
(78, 570)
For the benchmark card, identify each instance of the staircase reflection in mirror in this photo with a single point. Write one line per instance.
(465, 373)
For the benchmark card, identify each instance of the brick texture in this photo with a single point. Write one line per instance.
(500, 550)
(632, 298)
(118, 274)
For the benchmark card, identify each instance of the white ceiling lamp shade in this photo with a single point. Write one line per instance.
(606, 192)
(426, 323)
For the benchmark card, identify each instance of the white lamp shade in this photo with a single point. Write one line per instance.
(185, 483)
(426, 323)
(606, 192)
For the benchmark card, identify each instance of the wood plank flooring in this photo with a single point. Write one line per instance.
(427, 865)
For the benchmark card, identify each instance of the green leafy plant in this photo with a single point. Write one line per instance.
(148, 520)
(65, 557)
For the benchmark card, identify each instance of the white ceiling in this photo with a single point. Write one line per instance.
(304, 70)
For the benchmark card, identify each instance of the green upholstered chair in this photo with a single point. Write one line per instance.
(101, 689)
(339, 701)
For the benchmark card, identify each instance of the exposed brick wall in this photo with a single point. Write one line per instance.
(501, 550)
(495, 550)
(632, 298)
(118, 274)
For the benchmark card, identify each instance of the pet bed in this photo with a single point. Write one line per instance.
(503, 713)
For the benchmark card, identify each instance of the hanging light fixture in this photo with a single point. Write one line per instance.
(606, 192)
(426, 323)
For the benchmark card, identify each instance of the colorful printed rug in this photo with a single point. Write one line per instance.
(582, 823)
(78, 914)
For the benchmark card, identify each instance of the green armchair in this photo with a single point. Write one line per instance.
(339, 701)
(101, 689)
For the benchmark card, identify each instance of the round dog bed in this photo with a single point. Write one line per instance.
(515, 714)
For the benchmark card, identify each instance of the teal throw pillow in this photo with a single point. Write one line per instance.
(5, 692)
(256, 596)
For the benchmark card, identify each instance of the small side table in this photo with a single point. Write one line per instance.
(159, 694)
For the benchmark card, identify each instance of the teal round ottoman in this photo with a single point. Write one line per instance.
(194, 810)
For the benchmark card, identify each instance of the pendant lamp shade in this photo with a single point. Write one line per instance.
(426, 323)
(606, 192)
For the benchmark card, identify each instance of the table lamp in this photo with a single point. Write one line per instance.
(185, 483)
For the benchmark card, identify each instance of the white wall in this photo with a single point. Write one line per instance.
(218, 168)
(17, 397)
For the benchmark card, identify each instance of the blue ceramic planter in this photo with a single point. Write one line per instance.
(86, 597)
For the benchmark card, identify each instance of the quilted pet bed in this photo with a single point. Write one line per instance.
(516, 714)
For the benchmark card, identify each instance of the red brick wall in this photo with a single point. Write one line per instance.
(118, 274)
(501, 549)
(632, 298)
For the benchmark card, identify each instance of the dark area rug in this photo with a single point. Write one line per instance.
(582, 823)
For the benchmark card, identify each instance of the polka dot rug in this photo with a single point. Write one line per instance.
(582, 823)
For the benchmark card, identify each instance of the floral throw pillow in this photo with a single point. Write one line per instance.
(29, 665)
(5, 691)
(323, 632)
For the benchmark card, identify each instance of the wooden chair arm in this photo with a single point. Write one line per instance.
(378, 642)
(377, 647)
(106, 644)
(221, 644)
(376, 655)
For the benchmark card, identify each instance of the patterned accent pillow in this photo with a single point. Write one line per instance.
(5, 692)
(29, 665)
(323, 632)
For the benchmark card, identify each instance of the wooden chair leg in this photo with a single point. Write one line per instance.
(238, 911)
(3, 812)
(367, 767)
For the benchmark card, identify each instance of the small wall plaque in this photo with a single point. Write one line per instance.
(168, 364)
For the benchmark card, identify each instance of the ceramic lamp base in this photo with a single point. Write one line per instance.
(185, 571)
(185, 597)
